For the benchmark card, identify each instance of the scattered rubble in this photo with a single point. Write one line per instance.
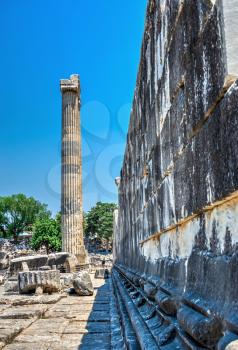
(56, 322)
(97, 260)
(56, 272)
(46, 321)
(4, 260)
(6, 245)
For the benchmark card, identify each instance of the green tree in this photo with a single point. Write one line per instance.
(85, 223)
(58, 219)
(3, 220)
(18, 213)
(47, 232)
(99, 220)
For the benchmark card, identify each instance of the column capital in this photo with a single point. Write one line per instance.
(118, 181)
(71, 84)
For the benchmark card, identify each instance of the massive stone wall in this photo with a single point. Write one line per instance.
(178, 199)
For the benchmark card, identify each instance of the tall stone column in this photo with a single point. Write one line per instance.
(71, 170)
(116, 226)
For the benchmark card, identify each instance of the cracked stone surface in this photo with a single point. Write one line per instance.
(56, 322)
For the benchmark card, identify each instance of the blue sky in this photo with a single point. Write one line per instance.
(43, 41)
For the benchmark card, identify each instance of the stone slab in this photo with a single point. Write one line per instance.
(9, 329)
(77, 327)
(18, 300)
(69, 342)
(35, 338)
(26, 346)
(7, 334)
(50, 326)
(24, 312)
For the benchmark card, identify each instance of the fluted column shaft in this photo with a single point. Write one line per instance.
(71, 170)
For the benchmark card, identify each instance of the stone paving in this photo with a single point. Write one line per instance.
(56, 322)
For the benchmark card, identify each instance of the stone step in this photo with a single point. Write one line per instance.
(160, 323)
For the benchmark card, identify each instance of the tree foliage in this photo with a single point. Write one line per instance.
(47, 232)
(99, 221)
(18, 213)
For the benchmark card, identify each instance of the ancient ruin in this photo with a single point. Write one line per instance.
(44, 305)
(78, 312)
(71, 170)
(56, 322)
(174, 283)
(175, 245)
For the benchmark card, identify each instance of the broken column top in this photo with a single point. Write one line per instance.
(117, 181)
(71, 84)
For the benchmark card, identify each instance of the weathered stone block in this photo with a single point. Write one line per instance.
(166, 303)
(57, 258)
(34, 262)
(82, 284)
(150, 290)
(39, 281)
(202, 180)
(202, 329)
(205, 71)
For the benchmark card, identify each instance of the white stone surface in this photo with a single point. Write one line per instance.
(230, 10)
(179, 242)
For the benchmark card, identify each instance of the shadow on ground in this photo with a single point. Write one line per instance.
(98, 324)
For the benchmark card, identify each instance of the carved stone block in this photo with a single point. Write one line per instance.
(39, 281)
